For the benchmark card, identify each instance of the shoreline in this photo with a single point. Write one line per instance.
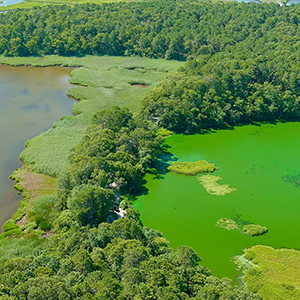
(80, 116)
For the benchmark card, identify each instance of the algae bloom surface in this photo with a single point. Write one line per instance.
(261, 162)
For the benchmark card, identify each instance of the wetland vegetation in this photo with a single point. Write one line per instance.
(253, 229)
(241, 68)
(192, 168)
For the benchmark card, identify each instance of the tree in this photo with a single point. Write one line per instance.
(91, 204)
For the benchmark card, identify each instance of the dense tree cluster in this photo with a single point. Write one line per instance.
(167, 29)
(255, 80)
(111, 159)
(119, 261)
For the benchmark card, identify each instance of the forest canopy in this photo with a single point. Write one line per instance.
(241, 58)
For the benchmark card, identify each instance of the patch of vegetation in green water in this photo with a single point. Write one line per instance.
(253, 230)
(210, 183)
(249, 229)
(227, 224)
(275, 273)
(192, 168)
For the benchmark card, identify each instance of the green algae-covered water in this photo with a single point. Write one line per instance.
(262, 162)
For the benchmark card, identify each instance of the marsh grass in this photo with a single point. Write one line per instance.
(192, 168)
(249, 229)
(254, 230)
(101, 82)
(210, 183)
(33, 186)
(28, 245)
(277, 274)
(227, 224)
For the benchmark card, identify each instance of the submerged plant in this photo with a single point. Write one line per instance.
(227, 224)
(210, 183)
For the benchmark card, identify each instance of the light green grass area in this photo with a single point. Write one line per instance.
(192, 168)
(276, 275)
(253, 230)
(13, 248)
(210, 183)
(227, 224)
(249, 229)
(102, 82)
(27, 4)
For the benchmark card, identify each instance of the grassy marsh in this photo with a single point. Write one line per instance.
(101, 82)
(192, 168)
(210, 183)
(276, 274)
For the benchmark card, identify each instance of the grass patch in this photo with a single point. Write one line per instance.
(27, 4)
(249, 229)
(33, 185)
(277, 274)
(101, 82)
(253, 230)
(28, 245)
(192, 168)
(210, 183)
(227, 224)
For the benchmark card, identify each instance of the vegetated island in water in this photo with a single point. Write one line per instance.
(212, 186)
(249, 229)
(192, 168)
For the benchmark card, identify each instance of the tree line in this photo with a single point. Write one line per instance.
(256, 79)
(156, 29)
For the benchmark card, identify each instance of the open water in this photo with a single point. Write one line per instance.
(31, 100)
(262, 162)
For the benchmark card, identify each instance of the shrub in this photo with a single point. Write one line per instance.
(192, 168)
(10, 225)
(253, 230)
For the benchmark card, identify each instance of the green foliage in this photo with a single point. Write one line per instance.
(9, 225)
(12, 233)
(114, 118)
(210, 183)
(31, 226)
(253, 230)
(91, 204)
(105, 81)
(112, 159)
(241, 68)
(227, 224)
(276, 274)
(42, 210)
(107, 30)
(192, 168)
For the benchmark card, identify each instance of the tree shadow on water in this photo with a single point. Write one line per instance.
(159, 169)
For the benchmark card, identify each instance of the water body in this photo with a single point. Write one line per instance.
(10, 2)
(262, 162)
(31, 100)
